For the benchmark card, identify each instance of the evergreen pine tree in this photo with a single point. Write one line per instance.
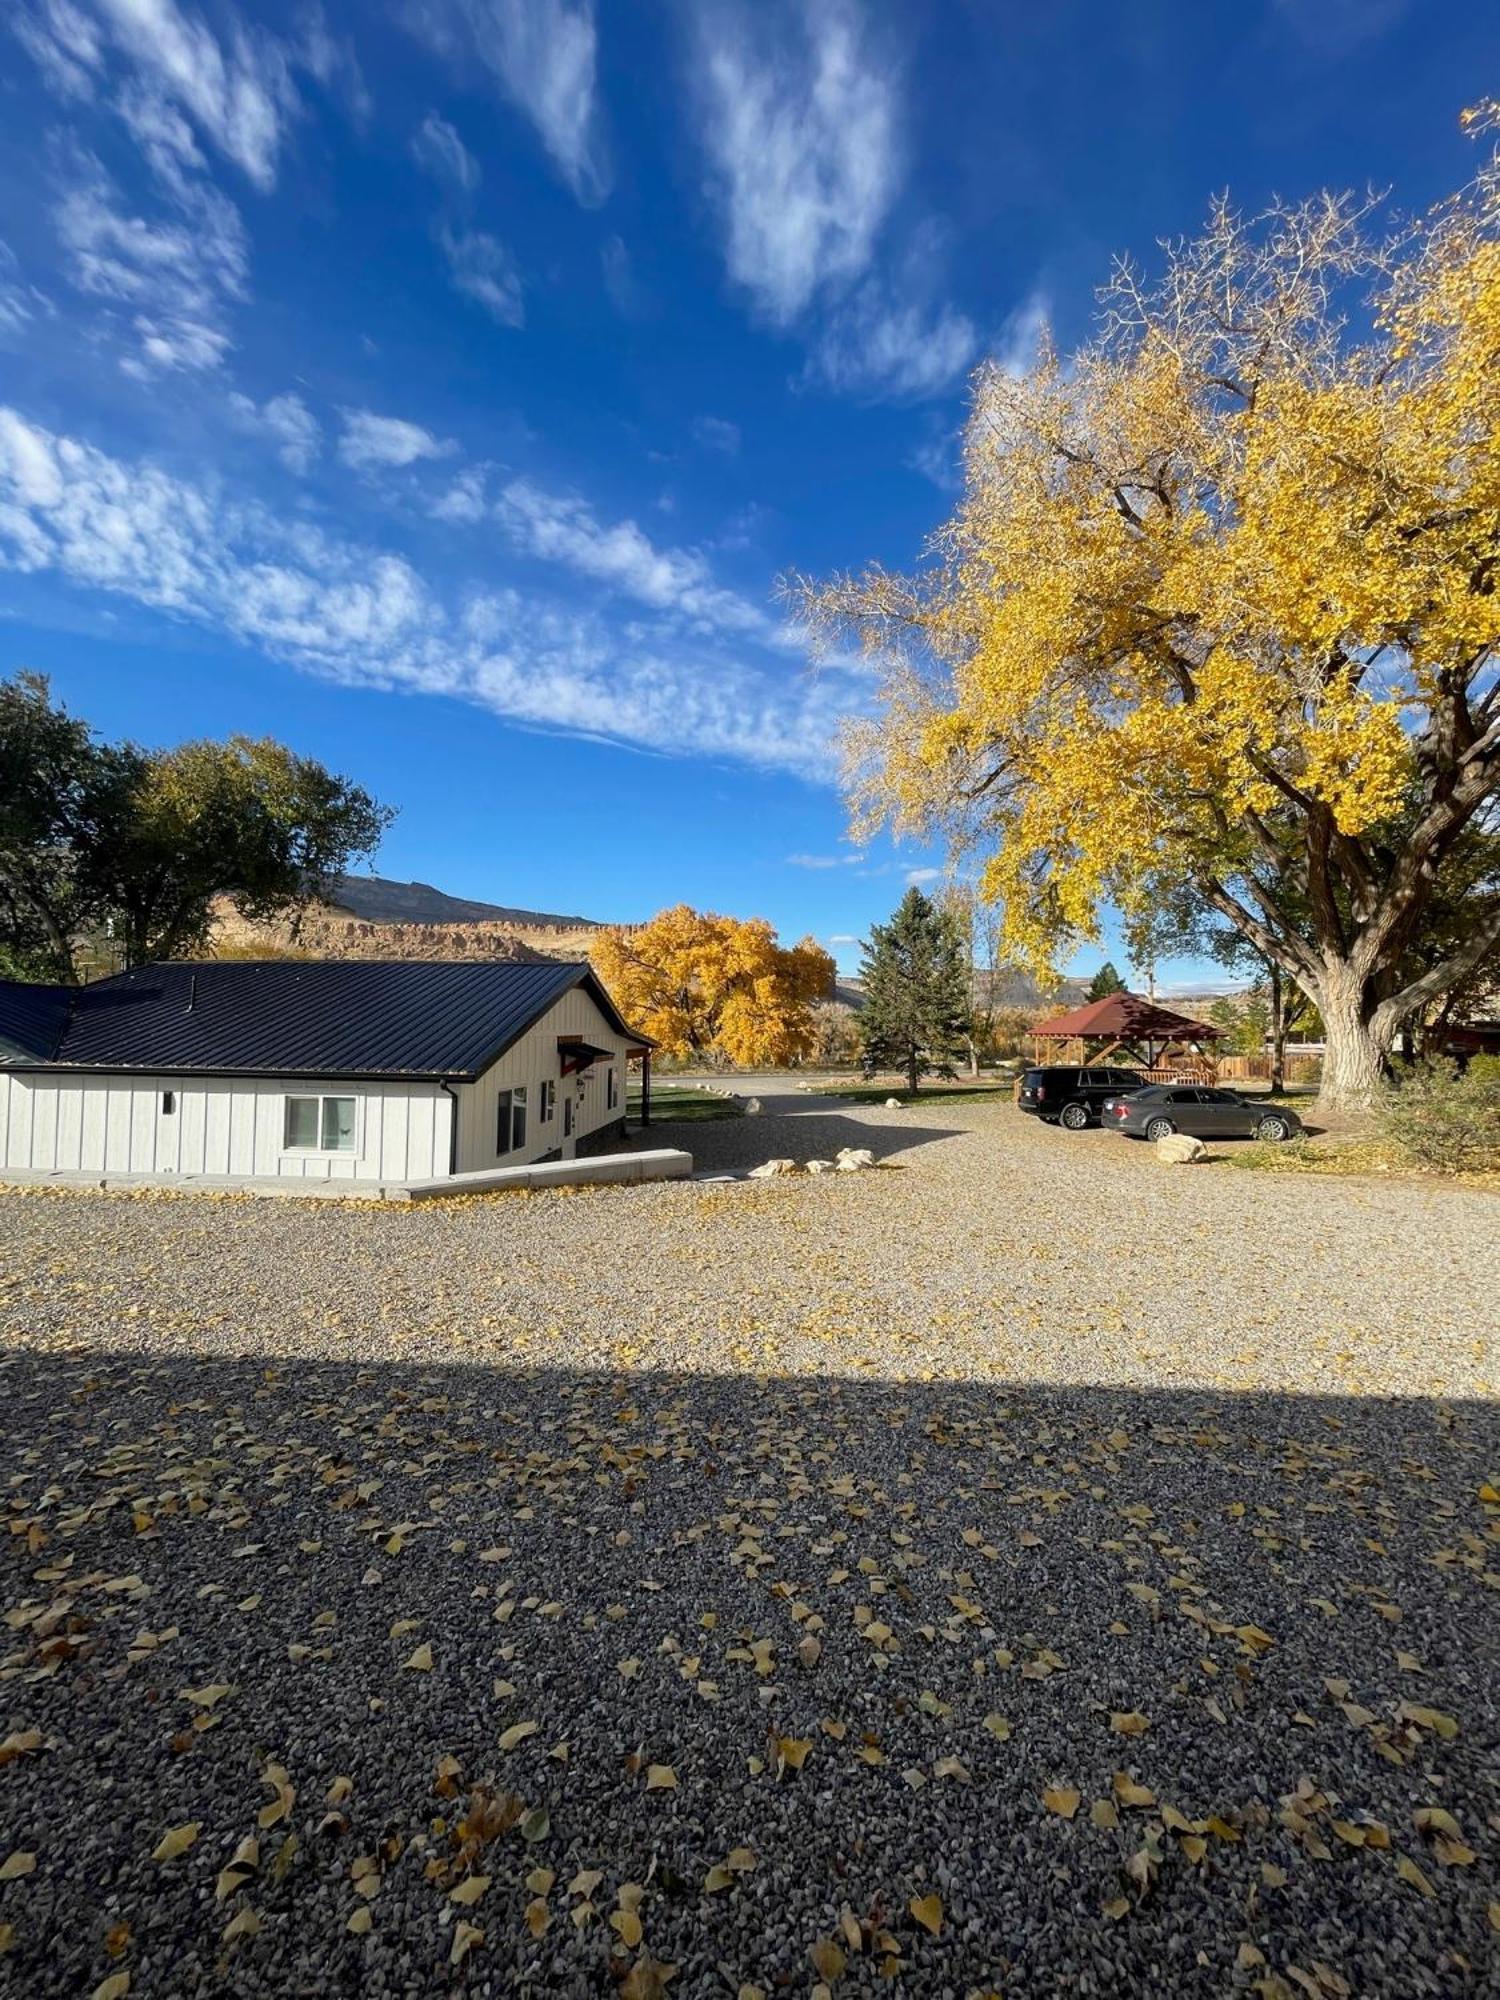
(1104, 982)
(916, 991)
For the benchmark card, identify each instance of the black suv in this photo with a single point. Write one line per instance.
(1073, 1097)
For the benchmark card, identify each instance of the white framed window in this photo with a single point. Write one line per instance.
(547, 1103)
(510, 1120)
(611, 1097)
(319, 1125)
(567, 1114)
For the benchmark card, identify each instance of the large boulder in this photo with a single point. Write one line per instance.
(852, 1158)
(768, 1169)
(752, 1107)
(893, 1104)
(1179, 1149)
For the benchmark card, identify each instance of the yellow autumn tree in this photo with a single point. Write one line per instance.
(716, 987)
(1217, 611)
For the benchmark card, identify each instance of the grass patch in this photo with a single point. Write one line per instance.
(948, 1093)
(1362, 1156)
(669, 1106)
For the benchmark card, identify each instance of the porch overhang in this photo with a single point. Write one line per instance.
(575, 1054)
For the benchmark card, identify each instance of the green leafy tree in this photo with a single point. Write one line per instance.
(1104, 982)
(916, 982)
(96, 835)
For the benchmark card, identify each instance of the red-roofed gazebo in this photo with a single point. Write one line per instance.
(1131, 1025)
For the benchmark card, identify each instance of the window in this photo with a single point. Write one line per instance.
(319, 1124)
(567, 1116)
(610, 1098)
(510, 1120)
(168, 1103)
(548, 1102)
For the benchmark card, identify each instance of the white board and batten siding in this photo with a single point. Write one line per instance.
(95, 1123)
(525, 1064)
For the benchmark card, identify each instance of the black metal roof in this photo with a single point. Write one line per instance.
(346, 1018)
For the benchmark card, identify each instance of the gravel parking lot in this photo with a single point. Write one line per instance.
(1022, 1569)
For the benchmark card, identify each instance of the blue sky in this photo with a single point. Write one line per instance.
(442, 385)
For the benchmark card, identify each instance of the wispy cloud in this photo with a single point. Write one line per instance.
(236, 87)
(544, 55)
(464, 501)
(916, 878)
(286, 421)
(823, 860)
(175, 275)
(483, 270)
(362, 615)
(562, 528)
(878, 344)
(798, 117)
(370, 442)
(439, 151)
(718, 434)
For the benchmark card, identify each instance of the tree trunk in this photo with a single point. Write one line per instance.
(1355, 1050)
(912, 1076)
(1278, 1031)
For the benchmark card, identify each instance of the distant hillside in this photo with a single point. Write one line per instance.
(380, 901)
(1006, 988)
(375, 918)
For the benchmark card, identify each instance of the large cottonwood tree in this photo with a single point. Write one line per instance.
(1218, 606)
(719, 988)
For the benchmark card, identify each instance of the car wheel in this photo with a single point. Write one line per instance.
(1075, 1117)
(1273, 1130)
(1160, 1128)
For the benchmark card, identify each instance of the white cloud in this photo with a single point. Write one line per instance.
(823, 860)
(464, 502)
(364, 616)
(915, 877)
(718, 434)
(287, 421)
(178, 272)
(238, 90)
(437, 149)
(484, 270)
(19, 301)
(561, 528)
(876, 345)
(544, 55)
(844, 937)
(371, 441)
(798, 116)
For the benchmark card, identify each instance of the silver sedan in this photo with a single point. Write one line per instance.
(1159, 1109)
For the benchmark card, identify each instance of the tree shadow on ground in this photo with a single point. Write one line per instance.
(873, 1636)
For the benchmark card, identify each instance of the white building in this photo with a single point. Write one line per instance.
(334, 1070)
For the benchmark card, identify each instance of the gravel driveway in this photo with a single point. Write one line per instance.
(1032, 1570)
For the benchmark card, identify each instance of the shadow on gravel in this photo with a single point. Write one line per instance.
(799, 1135)
(1134, 1685)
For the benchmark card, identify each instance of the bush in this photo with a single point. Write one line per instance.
(1446, 1120)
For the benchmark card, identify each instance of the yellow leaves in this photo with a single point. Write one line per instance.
(17, 1864)
(274, 1775)
(1129, 1723)
(1411, 1874)
(1429, 1718)
(244, 1923)
(928, 1912)
(1448, 1843)
(788, 1753)
(469, 1891)
(1129, 1792)
(207, 1697)
(1062, 1800)
(998, 1727)
(361, 1921)
(113, 1987)
(176, 1841)
(518, 1732)
(661, 1778)
(537, 1916)
(695, 981)
(419, 1662)
(466, 1938)
(237, 1871)
(20, 1743)
(829, 1959)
